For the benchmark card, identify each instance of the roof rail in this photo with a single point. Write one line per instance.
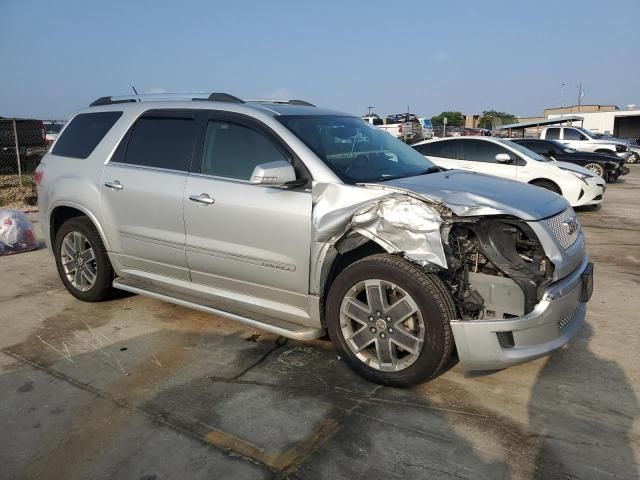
(224, 97)
(109, 101)
(303, 103)
(212, 97)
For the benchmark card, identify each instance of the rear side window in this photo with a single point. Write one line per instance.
(232, 150)
(162, 142)
(553, 133)
(446, 149)
(84, 133)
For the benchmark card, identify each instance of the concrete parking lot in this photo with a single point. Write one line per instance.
(139, 389)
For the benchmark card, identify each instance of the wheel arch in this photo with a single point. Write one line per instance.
(546, 180)
(63, 211)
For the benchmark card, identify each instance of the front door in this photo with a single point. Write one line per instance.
(142, 190)
(480, 156)
(250, 243)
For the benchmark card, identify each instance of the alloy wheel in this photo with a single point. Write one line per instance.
(595, 168)
(78, 261)
(382, 325)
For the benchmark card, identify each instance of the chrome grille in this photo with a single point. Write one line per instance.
(560, 229)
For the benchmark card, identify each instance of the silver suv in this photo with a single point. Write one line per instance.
(299, 220)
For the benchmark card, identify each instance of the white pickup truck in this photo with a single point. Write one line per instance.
(584, 140)
(402, 130)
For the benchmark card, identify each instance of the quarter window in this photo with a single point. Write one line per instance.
(553, 133)
(232, 150)
(162, 142)
(84, 133)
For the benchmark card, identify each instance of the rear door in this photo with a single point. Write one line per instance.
(251, 243)
(443, 153)
(480, 156)
(142, 193)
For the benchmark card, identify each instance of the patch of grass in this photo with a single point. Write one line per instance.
(15, 197)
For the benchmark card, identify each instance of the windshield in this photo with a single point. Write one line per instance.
(426, 123)
(524, 150)
(586, 132)
(356, 151)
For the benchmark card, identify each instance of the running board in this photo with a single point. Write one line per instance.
(284, 328)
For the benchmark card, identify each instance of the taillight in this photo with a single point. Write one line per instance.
(37, 177)
(399, 128)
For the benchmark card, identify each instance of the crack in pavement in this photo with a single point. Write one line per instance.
(156, 419)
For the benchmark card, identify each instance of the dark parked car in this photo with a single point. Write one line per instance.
(608, 167)
(31, 142)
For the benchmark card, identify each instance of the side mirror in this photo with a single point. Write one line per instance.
(504, 158)
(273, 174)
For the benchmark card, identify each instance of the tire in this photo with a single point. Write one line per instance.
(549, 185)
(595, 168)
(82, 231)
(634, 158)
(422, 296)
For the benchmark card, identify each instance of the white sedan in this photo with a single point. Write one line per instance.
(502, 158)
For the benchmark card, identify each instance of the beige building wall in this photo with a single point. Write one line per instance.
(579, 109)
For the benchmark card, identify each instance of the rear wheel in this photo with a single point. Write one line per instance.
(549, 185)
(389, 320)
(595, 168)
(82, 261)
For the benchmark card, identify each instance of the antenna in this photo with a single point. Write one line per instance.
(134, 90)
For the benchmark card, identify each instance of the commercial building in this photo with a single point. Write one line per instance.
(606, 119)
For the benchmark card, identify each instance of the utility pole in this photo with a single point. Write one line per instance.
(579, 96)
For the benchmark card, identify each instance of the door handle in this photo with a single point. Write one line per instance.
(115, 185)
(202, 198)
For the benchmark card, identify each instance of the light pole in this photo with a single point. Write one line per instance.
(562, 85)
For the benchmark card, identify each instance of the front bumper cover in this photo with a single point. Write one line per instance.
(550, 325)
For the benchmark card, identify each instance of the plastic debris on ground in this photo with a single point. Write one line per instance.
(16, 233)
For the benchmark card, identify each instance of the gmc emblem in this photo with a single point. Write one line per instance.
(570, 225)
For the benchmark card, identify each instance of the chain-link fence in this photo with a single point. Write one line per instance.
(22, 145)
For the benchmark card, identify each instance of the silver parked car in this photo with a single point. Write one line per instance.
(299, 220)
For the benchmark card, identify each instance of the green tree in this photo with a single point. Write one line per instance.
(488, 118)
(454, 119)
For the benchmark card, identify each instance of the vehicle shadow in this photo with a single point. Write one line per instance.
(198, 403)
(582, 408)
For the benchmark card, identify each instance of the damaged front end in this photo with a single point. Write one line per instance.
(494, 266)
(519, 292)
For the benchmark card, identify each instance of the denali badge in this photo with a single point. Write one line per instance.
(570, 225)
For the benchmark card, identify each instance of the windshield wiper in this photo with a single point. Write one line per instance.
(431, 170)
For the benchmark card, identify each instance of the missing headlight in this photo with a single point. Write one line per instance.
(498, 268)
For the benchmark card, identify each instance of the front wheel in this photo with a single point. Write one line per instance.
(634, 158)
(390, 320)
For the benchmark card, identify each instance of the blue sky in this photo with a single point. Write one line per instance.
(56, 57)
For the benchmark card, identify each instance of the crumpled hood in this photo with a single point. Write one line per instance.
(468, 194)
